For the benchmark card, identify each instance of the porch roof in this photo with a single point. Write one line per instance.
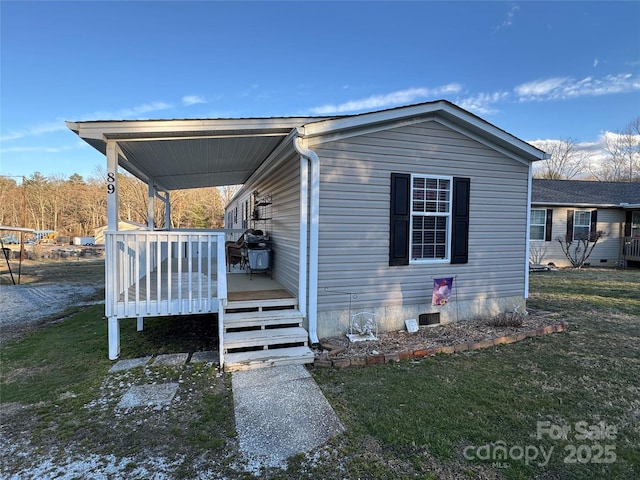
(179, 154)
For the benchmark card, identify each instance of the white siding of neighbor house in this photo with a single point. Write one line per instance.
(283, 184)
(607, 253)
(355, 209)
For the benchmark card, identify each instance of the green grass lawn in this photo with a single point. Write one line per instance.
(582, 379)
(437, 418)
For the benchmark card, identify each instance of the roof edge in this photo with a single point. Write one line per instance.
(444, 108)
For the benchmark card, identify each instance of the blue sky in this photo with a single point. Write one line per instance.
(539, 70)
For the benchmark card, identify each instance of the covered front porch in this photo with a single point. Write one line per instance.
(185, 272)
(161, 271)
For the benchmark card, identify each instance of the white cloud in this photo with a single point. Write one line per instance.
(481, 103)
(59, 124)
(399, 97)
(510, 16)
(539, 87)
(132, 112)
(55, 126)
(188, 100)
(36, 149)
(560, 88)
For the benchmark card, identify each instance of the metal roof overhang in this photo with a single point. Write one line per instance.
(442, 111)
(180, 154)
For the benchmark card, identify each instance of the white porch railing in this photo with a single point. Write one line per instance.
(158, 273)
(632, 248)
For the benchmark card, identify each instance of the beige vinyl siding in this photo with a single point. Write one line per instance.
(610, 220)
(354, 220)
(283, 184)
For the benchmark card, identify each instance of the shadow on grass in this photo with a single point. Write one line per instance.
(161, 335)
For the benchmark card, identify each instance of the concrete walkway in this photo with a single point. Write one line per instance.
(280, 412)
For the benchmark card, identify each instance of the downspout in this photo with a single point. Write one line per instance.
(528, 231)
(311, 157)
(304, 225)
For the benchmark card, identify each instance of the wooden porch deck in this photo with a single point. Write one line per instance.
(240, 287)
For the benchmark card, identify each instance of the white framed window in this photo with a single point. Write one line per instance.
(538, 224)
(430, 224)
(581, 224)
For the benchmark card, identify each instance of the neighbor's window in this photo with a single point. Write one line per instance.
(430, 217)
(538, 224)
(581, 224)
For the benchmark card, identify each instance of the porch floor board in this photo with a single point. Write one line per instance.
(239, 287)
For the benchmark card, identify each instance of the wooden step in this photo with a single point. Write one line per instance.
(265, 338)
(262, 319)
(234, 362)
(261, 305)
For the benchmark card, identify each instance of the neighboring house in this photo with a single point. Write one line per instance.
(575, 208)
(363, 212)
(123, 225)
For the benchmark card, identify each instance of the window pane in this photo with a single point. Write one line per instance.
(431, 208)
(538, 217)
(580, 233)
(537, 232)
(582, 218)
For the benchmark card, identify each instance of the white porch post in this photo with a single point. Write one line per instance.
(112, 186)
(150, 207)
(112, 226)
(167, 211)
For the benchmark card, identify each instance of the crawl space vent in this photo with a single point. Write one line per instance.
(429, 319)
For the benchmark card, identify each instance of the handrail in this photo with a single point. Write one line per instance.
(156, 273)
(631, 247)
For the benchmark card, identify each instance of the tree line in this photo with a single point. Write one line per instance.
(76, 206)
(570, 160)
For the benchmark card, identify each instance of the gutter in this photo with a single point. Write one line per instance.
(309, 163)
(528, 230)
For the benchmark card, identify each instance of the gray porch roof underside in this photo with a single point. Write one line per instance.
(180, 154)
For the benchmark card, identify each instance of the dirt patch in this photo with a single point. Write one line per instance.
(48, 292)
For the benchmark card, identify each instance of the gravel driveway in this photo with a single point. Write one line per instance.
(23, 307)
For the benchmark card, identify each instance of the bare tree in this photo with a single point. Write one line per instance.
(622, 162)
(567, 160)
(578, 249)
(227, 192)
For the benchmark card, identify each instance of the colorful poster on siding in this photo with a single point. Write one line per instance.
(442, 288)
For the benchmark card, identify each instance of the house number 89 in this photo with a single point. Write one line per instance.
(111, 178)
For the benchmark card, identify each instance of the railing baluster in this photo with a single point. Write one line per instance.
(190, 269)
(136, 270)
(147, 272)
(133, 257)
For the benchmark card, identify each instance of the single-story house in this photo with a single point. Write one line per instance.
(578, 208)
(123, 225)
(362, 213)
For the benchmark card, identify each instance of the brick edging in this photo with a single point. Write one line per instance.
(380, 359)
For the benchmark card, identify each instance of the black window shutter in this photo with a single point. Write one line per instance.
(399, 219)
(594, 223)
(549, 224)
(627, 223)
(569, 225)
(460, 220)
